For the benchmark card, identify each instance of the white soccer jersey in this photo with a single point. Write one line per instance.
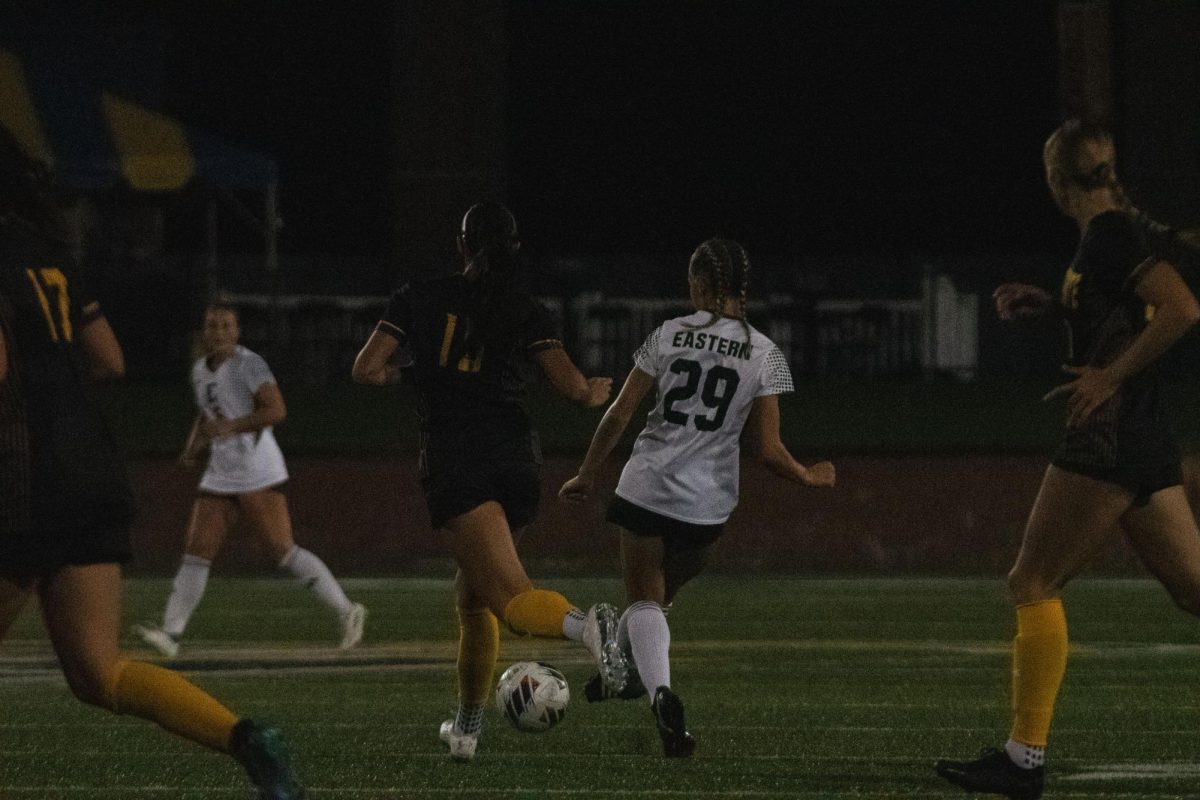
(244, 462)
(685, 463)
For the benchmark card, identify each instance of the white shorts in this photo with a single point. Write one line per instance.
(244, 463)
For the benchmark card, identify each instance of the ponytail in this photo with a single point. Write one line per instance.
(490, 245)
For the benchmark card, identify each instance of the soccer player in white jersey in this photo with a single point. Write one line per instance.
(712, 371)
(238, 403)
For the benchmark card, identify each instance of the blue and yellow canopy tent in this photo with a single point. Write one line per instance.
(95, 140)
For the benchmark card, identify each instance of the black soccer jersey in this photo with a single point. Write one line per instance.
(72, 474)
(470, 373)
(1126, 440)
(1102, 310)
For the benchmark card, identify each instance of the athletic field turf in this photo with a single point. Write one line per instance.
(794, 687)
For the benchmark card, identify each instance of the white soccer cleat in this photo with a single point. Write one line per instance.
(600, 638)
(157, 638)
(352, 626)
(462, 745)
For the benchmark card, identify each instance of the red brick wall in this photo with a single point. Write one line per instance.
(893, 515)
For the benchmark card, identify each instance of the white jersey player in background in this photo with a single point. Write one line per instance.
(712, 372)
(239, 402)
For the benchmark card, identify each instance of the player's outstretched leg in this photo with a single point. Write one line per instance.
(261, 750)
(596, 690)
(600, 638)
(268, 511)
(311, 572)
(541, 612)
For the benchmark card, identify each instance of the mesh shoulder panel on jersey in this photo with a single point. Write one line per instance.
(645, 357)
(777, 376)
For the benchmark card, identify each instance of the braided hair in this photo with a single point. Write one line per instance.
(725, 267)
(489, 243)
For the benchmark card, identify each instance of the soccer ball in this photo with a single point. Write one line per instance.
(533, 696)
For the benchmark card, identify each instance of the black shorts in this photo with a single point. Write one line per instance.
(43, 552)
(1126, 441)
(676, 534)
(1142, 480)
(454, 489)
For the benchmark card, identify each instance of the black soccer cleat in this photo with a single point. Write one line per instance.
(595, 690)
(994, 773)
(261, 750)
(668, 714)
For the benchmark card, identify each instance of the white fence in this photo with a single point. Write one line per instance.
(314, 338)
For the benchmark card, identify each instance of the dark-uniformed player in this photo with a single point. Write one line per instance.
(1116, 463)
(65, 500)
(472, 337)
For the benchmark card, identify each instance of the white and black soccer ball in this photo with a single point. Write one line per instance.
(533, 696)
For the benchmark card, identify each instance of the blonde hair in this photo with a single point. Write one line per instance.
(1071, 166)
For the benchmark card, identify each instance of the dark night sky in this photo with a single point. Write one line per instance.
(909, 129)
(895, 127)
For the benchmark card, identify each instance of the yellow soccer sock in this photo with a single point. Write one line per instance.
(478, 649)
(537, 612)
(168, 699)
(1039, 661)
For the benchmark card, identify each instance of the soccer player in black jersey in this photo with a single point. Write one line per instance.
(472, 338)
(1116, 463)
(65, 500)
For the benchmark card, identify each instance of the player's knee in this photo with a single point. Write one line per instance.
(1029, 587)
(91, 684)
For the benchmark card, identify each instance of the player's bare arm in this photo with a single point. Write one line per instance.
(374, 363)
(1175, 312)
(195, 444)
(568, 381)
(269, 409)
(101, 351)
(608, 433)
(771, 451)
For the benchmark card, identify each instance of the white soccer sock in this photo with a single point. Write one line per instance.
(186, 591)
(650, 641)
(573, 624)
(623, 629)
(1026, 756)
(312, 572)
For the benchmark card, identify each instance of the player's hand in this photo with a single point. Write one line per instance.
(821, 475)
(1021, 301)
(218, 428)
(576, 490)
(599, 390)
(1091, 389)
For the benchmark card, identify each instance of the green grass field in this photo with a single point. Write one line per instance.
(795, 688)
